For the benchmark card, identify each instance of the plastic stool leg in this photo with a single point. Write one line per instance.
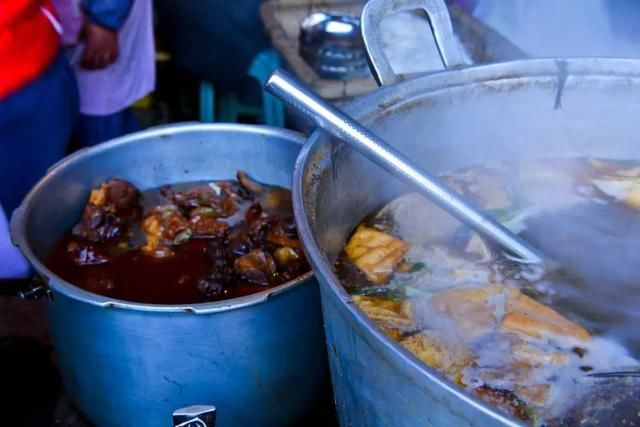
(263, 64)
(207, 102)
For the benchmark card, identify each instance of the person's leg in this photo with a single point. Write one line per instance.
(35, 127)
(93, 130)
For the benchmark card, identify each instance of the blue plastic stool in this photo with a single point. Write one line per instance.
(230, 108)
(207, 102)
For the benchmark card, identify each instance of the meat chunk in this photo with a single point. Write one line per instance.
(285, 256)
(375, 253)
(257, 267)
(222, 275)
(164, 227)
(249, 184)
(210, 198)
(107, 213)
(206, 226)
(279, 239)
(98, 224)
(118, 196)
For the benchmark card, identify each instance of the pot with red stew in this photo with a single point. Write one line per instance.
(175, 280)
(182, 244)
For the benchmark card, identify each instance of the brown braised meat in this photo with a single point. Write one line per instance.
(203, 242)
(249, 184)
(257, 267)
(164, 227)
(221, 276)
(111, 206)
(217, 200)
(261, 250)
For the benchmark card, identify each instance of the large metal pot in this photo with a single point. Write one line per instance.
(524, 109)
(259, 359)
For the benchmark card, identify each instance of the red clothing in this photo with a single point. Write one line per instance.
(28, 43)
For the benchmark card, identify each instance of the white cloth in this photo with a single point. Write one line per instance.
(131, 77)
(12, 263)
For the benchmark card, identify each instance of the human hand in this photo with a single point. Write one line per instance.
(101, 46)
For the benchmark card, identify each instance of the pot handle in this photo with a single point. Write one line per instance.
(195, 416)
(375, 11)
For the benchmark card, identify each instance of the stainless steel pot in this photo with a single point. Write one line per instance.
(259, 359)
(524, 109)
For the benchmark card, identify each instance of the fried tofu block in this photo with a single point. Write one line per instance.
(536, 394)
(395, 334)
(438, 354)
(475, 313)
(528, 356)
(375, 253)
(625, 190)
(469, 308)
(529, 317)
(388, 314)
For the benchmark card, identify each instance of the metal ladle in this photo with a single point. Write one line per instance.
(333, 120)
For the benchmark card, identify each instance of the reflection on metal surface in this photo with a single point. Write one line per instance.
(332, 45)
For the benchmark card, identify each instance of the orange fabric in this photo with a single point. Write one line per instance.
(28, 43)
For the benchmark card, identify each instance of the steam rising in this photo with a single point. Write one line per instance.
(566, 28)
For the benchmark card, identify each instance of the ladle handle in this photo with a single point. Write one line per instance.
(375, 11)
(291, 91)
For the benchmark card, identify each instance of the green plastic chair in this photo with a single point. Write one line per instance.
(229, 105)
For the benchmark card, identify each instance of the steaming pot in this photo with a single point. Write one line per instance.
(260, 359)
(462, 116)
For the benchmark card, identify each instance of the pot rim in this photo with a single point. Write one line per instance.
(387, 98)
(57, 284)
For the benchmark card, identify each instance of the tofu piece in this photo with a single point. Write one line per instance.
(524, 315)
(475, 313)
(375, 253)
(435, 352)
(633, 198)
(387, 314)
(528, 356)
(469, 308)
(535, 395)
(625, 190)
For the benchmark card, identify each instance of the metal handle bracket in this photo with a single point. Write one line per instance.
(375, 11)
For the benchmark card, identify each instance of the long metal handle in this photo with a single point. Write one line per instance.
(334, 121)
(375, 11)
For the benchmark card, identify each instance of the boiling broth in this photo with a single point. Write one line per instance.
(517, 336)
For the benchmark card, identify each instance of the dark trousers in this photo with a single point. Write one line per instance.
(93, 130)
(35, 127)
